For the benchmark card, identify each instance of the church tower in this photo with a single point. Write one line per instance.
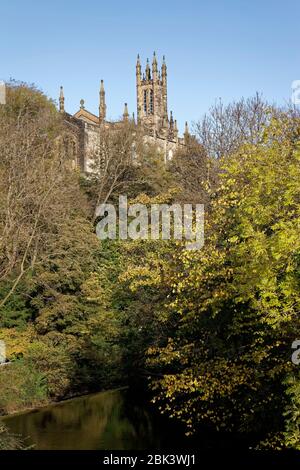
(152, 107)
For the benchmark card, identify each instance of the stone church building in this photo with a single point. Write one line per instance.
(157, 125)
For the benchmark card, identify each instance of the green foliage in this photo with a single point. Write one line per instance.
(16, 312)
(21, 386)
(55, 315)
(21, 97)
(54, 364)
(292, 411)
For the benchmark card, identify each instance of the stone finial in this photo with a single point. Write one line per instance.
(125, 113)
(81, 104)
(186, 134)
(154, 64)
(186, 128)
(61, 100)
(166, 121)
(102, 105)
(164, 69)
(148, 73)
(138, 68)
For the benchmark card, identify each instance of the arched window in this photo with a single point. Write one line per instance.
(145, 101)
(151, 101)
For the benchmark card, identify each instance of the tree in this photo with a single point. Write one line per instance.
(37, 187)
(233, 306)
(225, 127)
(195, 173)
(111, 162)
(49, 255)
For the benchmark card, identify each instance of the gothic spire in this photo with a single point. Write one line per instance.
(102, 105)
(61, 100)
(164, 70)
(148, 73)
(125, 113)
(186, 128)
(186, 134)
(138, 68)
(154, 65)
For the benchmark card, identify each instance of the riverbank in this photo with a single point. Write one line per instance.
(34, 406)
(45, 404)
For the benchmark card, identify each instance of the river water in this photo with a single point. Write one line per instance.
(113, 420)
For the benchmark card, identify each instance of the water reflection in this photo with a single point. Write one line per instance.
(106, 420)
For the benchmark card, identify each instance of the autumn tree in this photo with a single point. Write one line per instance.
(225, 127)
(194, 172)
(56, 329)
(37, 188)
(111, 161)
(232, 307)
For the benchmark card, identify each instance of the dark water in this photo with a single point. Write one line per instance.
(108, 420)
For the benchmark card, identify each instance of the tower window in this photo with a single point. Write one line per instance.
(145, 101)
(151, 101)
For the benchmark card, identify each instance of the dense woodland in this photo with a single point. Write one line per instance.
(208, 331)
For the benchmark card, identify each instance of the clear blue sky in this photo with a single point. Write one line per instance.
(213, 48)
